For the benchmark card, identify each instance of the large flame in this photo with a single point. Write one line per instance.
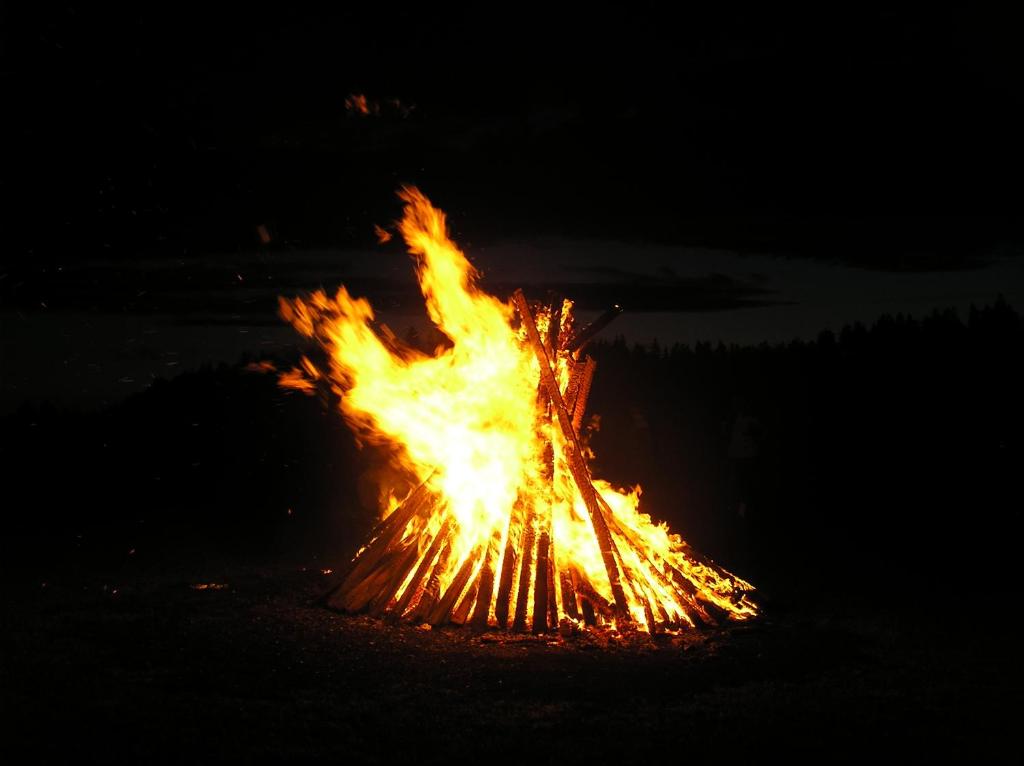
(470, 423)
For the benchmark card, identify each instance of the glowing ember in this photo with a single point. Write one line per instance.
(507, 526)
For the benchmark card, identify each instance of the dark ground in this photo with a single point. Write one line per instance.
(138, 666)
(881, 533)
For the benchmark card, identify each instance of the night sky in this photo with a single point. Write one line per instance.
(695, 167)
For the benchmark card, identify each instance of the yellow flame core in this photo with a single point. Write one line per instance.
(472, 424)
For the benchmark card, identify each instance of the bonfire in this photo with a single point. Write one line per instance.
(506, 526)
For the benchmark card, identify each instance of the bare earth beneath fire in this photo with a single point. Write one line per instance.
(159, 669)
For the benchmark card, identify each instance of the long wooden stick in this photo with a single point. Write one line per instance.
(579, 404)
(528, 542)
(440, 613)
(587, 592)
(586, 609)
(689, 604)
(358, 597)
(540, 585)
(416, 584)
(508, 566)
(640, 590)
(401, 571)
(388, 523)
(485, 591)
(568, 595)
(543, 591)
(552, 602)
(433, 587)
(390, 530)
(461, 612)
(573, 386)
(574, 453)
(584, 336)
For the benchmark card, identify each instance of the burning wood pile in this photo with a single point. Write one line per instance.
(506, 527)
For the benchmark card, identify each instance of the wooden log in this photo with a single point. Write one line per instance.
(540, 586)
(569, 605)
(583, 393)
(589, 618)
(652, 626)
(461, 612)
(598, 607)
(485, 587)
(573, 386)
(690, 553)
(432, 590)
(697, 607)
(540, 621)
(586, 591)
(508, 567)
(485, 592)
(740, 588)
(401, 570)
(543, 591)
(390, 531)
(641, 589)
(358, 597)
(441, 613)
(719, 613)
(393, 518)
(574, 455)
(694, 612)
(710, 612)
(580, 371)
(584, 336)
(701, 610)
(417, 583)
(528, 540)
(552, 602)
(663, 614)
(586, 610)
(549, 569)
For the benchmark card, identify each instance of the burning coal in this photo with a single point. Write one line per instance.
(507, 527)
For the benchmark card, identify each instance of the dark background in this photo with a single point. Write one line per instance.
(145, 147)
(180, 128)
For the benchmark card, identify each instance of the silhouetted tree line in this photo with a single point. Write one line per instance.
(881, 456)
(891, 445)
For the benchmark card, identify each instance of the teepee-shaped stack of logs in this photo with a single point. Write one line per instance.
(407, 571)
